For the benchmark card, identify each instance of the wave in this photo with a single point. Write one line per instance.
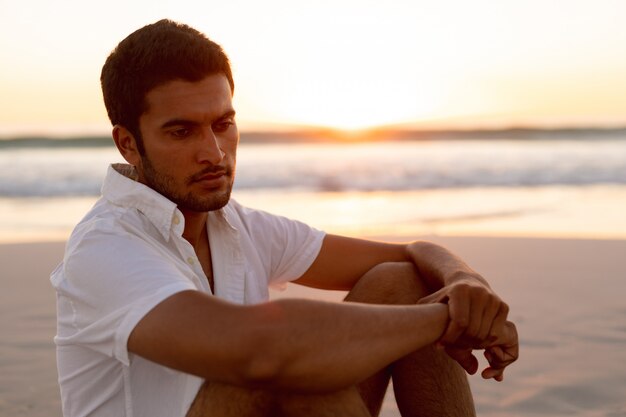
(44, 142)
(340, 168)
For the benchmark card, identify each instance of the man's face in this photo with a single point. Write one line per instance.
(190, 140)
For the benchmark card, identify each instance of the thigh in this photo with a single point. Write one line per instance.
(344, 403)
(388, 283)
(221, 400)
(426, 382)
(215, 399)
(373, 390)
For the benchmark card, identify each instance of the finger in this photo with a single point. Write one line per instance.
(494, 354)
(474, 322)
(436, 297)
(465, 358)
(497, 374)
(494, 370)
(489, 314)
(459, 320)
(507, 349)
(498, 360)
(497, 327)
(495, 357)
(512, 348)
(480, 299)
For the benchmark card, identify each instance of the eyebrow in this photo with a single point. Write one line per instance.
(186, 122)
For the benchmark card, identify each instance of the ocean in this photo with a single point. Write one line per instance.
(533, 186)
(474, 195)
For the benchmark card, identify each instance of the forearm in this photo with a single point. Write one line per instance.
(438, 266)
(290, 344)
(315, 346)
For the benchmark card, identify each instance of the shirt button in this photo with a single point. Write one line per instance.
(176, 220)
(190, 260)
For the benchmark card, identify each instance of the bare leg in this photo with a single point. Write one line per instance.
(427, 382)
(345, 403)
(221, 400)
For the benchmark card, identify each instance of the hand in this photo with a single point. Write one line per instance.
(500, 353)
(476, 313)
(503, 352)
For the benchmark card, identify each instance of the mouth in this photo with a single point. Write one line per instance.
(208, 177)
(211, 178)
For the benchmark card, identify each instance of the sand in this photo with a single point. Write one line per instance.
(567, 297)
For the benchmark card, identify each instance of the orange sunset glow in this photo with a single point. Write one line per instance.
(364, 129)
(348, 65)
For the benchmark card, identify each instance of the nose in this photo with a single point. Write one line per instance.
(209, 150)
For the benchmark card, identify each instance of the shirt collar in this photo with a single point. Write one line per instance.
(222, 215)
(121, 188)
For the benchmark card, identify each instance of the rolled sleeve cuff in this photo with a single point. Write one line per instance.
(303, 261)
(138, 311)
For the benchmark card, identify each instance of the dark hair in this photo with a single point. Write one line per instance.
(151, 56)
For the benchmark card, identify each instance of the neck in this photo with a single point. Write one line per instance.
(195, 226)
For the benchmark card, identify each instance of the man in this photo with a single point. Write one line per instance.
(162, 295)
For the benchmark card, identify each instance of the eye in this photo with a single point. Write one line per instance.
(181, 132)
(223, 125)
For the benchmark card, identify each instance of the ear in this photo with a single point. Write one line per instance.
(126, 144)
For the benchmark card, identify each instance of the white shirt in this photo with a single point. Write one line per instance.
(125, 257)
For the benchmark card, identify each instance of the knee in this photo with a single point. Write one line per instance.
(389, 283)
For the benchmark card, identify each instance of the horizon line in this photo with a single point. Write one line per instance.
(384, 133)
(82, 131)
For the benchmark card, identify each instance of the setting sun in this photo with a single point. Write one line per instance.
(494, 129)
(357, 103)
(337, 64)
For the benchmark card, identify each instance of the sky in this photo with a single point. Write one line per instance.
(339, 64)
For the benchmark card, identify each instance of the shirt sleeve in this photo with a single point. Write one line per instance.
(290, 246)
(110, 282)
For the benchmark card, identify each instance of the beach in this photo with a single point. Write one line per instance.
(496, 129)
(566, 296)
(541, 219)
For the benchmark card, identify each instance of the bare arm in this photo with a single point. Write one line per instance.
(477, 314)
(439, 266)
(343, 260)
(297, 345)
